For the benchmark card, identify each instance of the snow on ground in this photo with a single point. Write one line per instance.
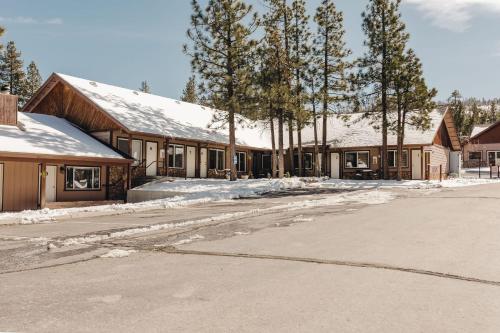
(198, 191)
(406, 184)
(117, 253)
(363, 197)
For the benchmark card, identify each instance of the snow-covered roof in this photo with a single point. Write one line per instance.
(358, 131)
(49, 135)
(479, 129)
(157, 115)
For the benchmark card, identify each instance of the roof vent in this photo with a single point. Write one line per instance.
(178, 102)
(135, 92)
(92, 83)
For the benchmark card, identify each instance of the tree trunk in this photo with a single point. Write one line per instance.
(323, 146)
(317, 166)
(291, 146)
(399, 154)
(299, 149)
(385, 125)
(281, 156)
(232, 146)
(273, 146)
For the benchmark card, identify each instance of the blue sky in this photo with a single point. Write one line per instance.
(123, 42)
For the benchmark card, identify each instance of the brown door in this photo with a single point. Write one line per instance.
(427, 165)
(20, 186)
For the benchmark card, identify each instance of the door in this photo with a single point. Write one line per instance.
(190, 162)
(416, 164)
(1, 187)
(151, 158)
(203, 162)
(51, 183)
(335, 167)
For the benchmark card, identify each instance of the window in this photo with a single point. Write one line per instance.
(266, 162)
(392, 156)
(242, 162)
(176, 156)
(216, 159)
(493, 158)
(308, 161)
(123, 145)
(475, 155)
(358, 159)
(137, 152)
(83, 178)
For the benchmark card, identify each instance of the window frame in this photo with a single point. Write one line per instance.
(357, 159)
(217, 159)
(118, 139)
(475, 152)
(395, 151)
(238, 153)
(86, 167)
(263, 167)
(141, 160)
(497, 152)
(312, 161)
(172, 159)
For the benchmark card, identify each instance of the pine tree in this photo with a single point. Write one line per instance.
(32, 82)
(189, 92)
(457, 109)
(300, 57)
(385, 41)
(473, 118)
(331, 61)
(413, 101)
(312, 79)
(11, 70)
(493, 113)
(145, 87)
(223, 54)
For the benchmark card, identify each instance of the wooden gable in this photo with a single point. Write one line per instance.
(57, 98)
(446, 135)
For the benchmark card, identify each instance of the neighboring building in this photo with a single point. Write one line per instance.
(164, 136)
(354, 147)
(483, 147)
(46, 159)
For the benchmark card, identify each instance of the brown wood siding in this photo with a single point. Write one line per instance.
(20, 186)
(63, 101)
(491, 135)
(8, 110)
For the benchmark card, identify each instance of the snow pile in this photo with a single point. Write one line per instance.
(192, 192)
(364, 197)
(405, 184)
(188, 240)
(117, 253)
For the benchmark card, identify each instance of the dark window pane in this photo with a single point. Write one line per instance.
(212, 159)
(97, 178)
(170, 156)
(220, 160)
(308, 161)
(266, 162)
(179, 156)
(474, 155)
(363, 160)
(391, 157)
(351, 160)
(69, 177)
(123, 145)
(296, 161)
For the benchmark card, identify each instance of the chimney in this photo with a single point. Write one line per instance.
(8, 107)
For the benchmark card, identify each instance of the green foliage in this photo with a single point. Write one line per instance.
(32, 82)
(223, 55)
(189, 94)
(145, 87)
(11, 70)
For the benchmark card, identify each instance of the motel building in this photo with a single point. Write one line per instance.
(79, 140)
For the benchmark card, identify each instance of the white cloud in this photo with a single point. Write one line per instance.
(454, 15)
(30, 20)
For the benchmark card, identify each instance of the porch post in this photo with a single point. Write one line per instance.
(165, 160)
(43, 182)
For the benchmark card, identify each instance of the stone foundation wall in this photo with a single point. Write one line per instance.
(116, 186)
